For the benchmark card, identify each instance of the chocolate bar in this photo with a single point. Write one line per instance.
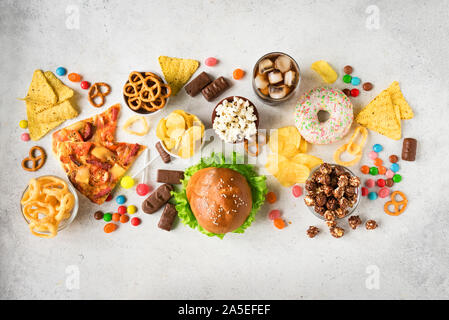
(409, 149)
(168, 216)
(157, 199)
(199, 83)
(214, 89)
(170, 176)
(164, 155)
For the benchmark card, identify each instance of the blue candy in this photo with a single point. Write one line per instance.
(355, 81)
(394, 167)
(372, 195)
(120, 199)
(378, 148)
(61, 71)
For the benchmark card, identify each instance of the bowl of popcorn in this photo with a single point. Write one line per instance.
(235, 119)
(333, 192)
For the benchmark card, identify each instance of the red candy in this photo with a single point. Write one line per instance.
(274, 214)
(109, 198)
(381, 183)
(355, 92)
(121, 210)
(74, 77)
(135, 221)
(142, 189)
(210, 62)
(365, 191)
(369, 183)
(383, 192)
(85, 85)
(297, 191)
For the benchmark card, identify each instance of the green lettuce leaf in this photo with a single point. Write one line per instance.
(257, 184)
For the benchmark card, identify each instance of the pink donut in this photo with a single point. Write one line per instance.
(331, 100)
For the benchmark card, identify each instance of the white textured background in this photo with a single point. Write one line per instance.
(115, 37)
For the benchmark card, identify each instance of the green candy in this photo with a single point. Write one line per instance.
(373, 171)
(107, 217)
(347, 78)
(397, 178)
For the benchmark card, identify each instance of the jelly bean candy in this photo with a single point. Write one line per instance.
(355, 81)
(372, 195)
(382, 170)
(120, 199)
(364, 192)
(373, 155)
(377, 147)
(271, 197)
(383, 192)
(131, 209)
(279, 223)
(378, 162)
(297, 191)
(389, 174)
(110, 227)
(115, 217)
(142, 189)
(127, 182)
(397, 178)
(364, 169)
(347, 78)
(373, 171)
(124, 218)
(85, 85)
(107, 217)
(369, 183)
(109, 198)
(74, 77)
(61, 71)
(238, 74)
(23, 124)
(122, 210)
(135, 221)
(210, 62)
(274, 214)
(381, 183)
(355, 92)
(25, 137)
(394, 167)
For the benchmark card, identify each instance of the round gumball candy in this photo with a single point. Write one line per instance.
(131, 209)
(364, 169)
(211, 61)
(347, 78)
(135, 221)
(109, 198)
(124, 218)
(116, 217)
(381, 183)
(383, 192)
(122, 210)
(382, 170)
(61, 71)
(271, 197)
(107, 217)
(369, 183)
(74, 77)
(397, 178)
(25, 136)
(364, 192)
(355, 81)
(372, 195)
(389, 182)
(393, 158)
(274, 214)
(394, 167)
(127, 182)
(98, 215)
(373, 171)
(389, 174)
(377, 147)
(279, 223)
(142, 189)
(355, 92)
(23, 124)
(85, 85)
(378, 162)
(373, 155)
(297, 191)
(238, 74)
(120, 199)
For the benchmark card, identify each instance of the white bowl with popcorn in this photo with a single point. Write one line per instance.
(235, 119)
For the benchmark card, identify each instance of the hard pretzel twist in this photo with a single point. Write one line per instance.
(254, 143)
(96, 92)
(36, 161)
(399, 206)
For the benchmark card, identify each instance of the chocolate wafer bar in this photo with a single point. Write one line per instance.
(164, 155)
(157, 199)
(213, 90)
(168, 217)
(199, 83)
(170, 176)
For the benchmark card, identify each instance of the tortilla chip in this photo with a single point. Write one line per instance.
(382, 116)
(40, 90)
(38, 130)
(398, 99)
(177, 71)
(62, 91)
(61, 111)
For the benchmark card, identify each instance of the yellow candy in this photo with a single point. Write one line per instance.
(23, 124)
(131, 209)
(127, 182)
(325, 71)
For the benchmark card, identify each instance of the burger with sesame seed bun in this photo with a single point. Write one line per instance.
(220, 196)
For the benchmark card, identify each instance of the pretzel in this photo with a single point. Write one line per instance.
(37, 162)
(399, 206)
(352, 148)
(255, 143)
(95, 92)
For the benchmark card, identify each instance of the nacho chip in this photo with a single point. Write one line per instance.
(38, 129)
(177, 71)
(62, 111)
(398, 100)
(40, 90)
(62, 91)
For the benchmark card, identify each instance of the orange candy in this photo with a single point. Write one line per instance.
(279, 223)
(378, 162)
(110, 227)
(271, 197)
(74, 77)
(382, 170)
(364, 169)
(124, 218)
(238, 74)
(116, 217)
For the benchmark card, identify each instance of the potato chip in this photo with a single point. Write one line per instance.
(303, 145)
(285, 141)
(274, 163)
(177, 71)
(40, 90)
(161, 130)
(307, 160)
(324, 69)
(175, 120)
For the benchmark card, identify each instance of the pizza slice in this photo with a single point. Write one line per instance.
(99, 128)
(95, 169)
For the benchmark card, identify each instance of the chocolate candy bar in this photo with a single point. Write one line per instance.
(409, 149)
(214, 89)
(199, 83)
(164, 155)
(157, 199)
(170, 176)
(168, 216)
